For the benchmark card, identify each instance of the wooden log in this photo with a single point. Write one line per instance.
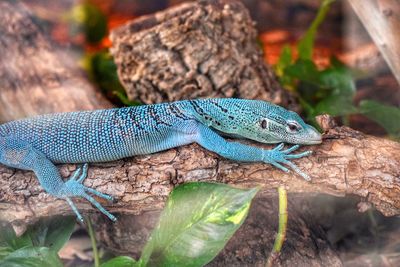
(36, 76)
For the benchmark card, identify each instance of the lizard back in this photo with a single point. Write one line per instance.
(100, 135)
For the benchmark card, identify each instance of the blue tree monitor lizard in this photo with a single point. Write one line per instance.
(40, 142)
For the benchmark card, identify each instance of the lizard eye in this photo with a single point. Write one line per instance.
(293, 127)
(264, 124)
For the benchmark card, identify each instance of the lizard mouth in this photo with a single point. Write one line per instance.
(314, 142)
(313, 138)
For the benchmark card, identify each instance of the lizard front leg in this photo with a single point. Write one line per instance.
(210, 140)
(21, 155)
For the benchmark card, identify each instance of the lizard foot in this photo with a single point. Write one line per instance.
(74, 188)
(277, 157)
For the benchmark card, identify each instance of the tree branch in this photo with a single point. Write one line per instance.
(347, 162)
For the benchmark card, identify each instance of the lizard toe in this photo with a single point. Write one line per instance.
(99, 194)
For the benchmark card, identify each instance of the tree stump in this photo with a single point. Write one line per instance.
(197, 49)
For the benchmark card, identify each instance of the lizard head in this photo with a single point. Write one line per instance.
(275, 124)
(281, 125)
(266, 123)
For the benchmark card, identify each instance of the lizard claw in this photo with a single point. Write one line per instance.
(75, 188)
(277, 156)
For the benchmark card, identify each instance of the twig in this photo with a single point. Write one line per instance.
(280, 237)
(94, 243)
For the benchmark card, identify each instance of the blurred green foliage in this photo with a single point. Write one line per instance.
(120, 261)
(38, 246)
(330, 90)
(90, 19)
(306, 44)
(103, 71)
(100, 65)
(387, 116)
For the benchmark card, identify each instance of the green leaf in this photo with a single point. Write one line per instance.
(103, 71)
(339, 84)
(285, 59)
(9, 242)
(4, 252)
(32, 257)
(338, 77)
(386, 116)
(335, 105)
(304, 70)
(197, 222)
(329, 91)
(52, 232)
(306, 44)
(122, 261)
(306, 74)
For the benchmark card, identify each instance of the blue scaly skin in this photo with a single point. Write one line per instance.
(38, 143)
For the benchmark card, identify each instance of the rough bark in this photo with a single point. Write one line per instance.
(36, 77)
(197, 49)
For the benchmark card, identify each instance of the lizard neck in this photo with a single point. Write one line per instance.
(222, 114)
